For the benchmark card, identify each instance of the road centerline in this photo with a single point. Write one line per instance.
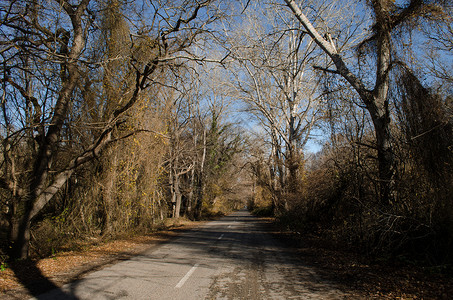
(188, 274)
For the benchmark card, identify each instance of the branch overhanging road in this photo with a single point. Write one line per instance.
(232, 258)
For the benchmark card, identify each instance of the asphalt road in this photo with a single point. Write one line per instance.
(232, 258)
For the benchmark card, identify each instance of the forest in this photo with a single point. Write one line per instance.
(333, 117)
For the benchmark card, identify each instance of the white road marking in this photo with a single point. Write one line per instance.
(220, 237)
(184, 279)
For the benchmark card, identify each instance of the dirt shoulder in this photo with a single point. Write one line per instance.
(364, 277)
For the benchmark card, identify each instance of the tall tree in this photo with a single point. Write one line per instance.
(274, 76)
(388, 16)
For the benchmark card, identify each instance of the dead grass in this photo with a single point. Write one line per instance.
(366, 277)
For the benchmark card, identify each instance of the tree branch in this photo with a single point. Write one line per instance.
(326, 70)
(330, 50)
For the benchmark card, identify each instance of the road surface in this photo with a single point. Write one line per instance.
(231, 258)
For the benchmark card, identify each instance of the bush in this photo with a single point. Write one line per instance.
(47, 239)
(264, 211)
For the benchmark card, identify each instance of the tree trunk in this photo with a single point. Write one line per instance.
(191, 192)
(200, 181)
(108, 197)
(13, 235)
(190, 197)
(293, 163)
(385, 159)
(178, 197)
(381, 117)
(376, 100)
(21, 245)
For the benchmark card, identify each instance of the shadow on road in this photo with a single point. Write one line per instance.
(36, 283)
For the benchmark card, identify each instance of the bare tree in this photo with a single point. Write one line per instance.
(274, 76)
(181, 150)
(387, 17)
